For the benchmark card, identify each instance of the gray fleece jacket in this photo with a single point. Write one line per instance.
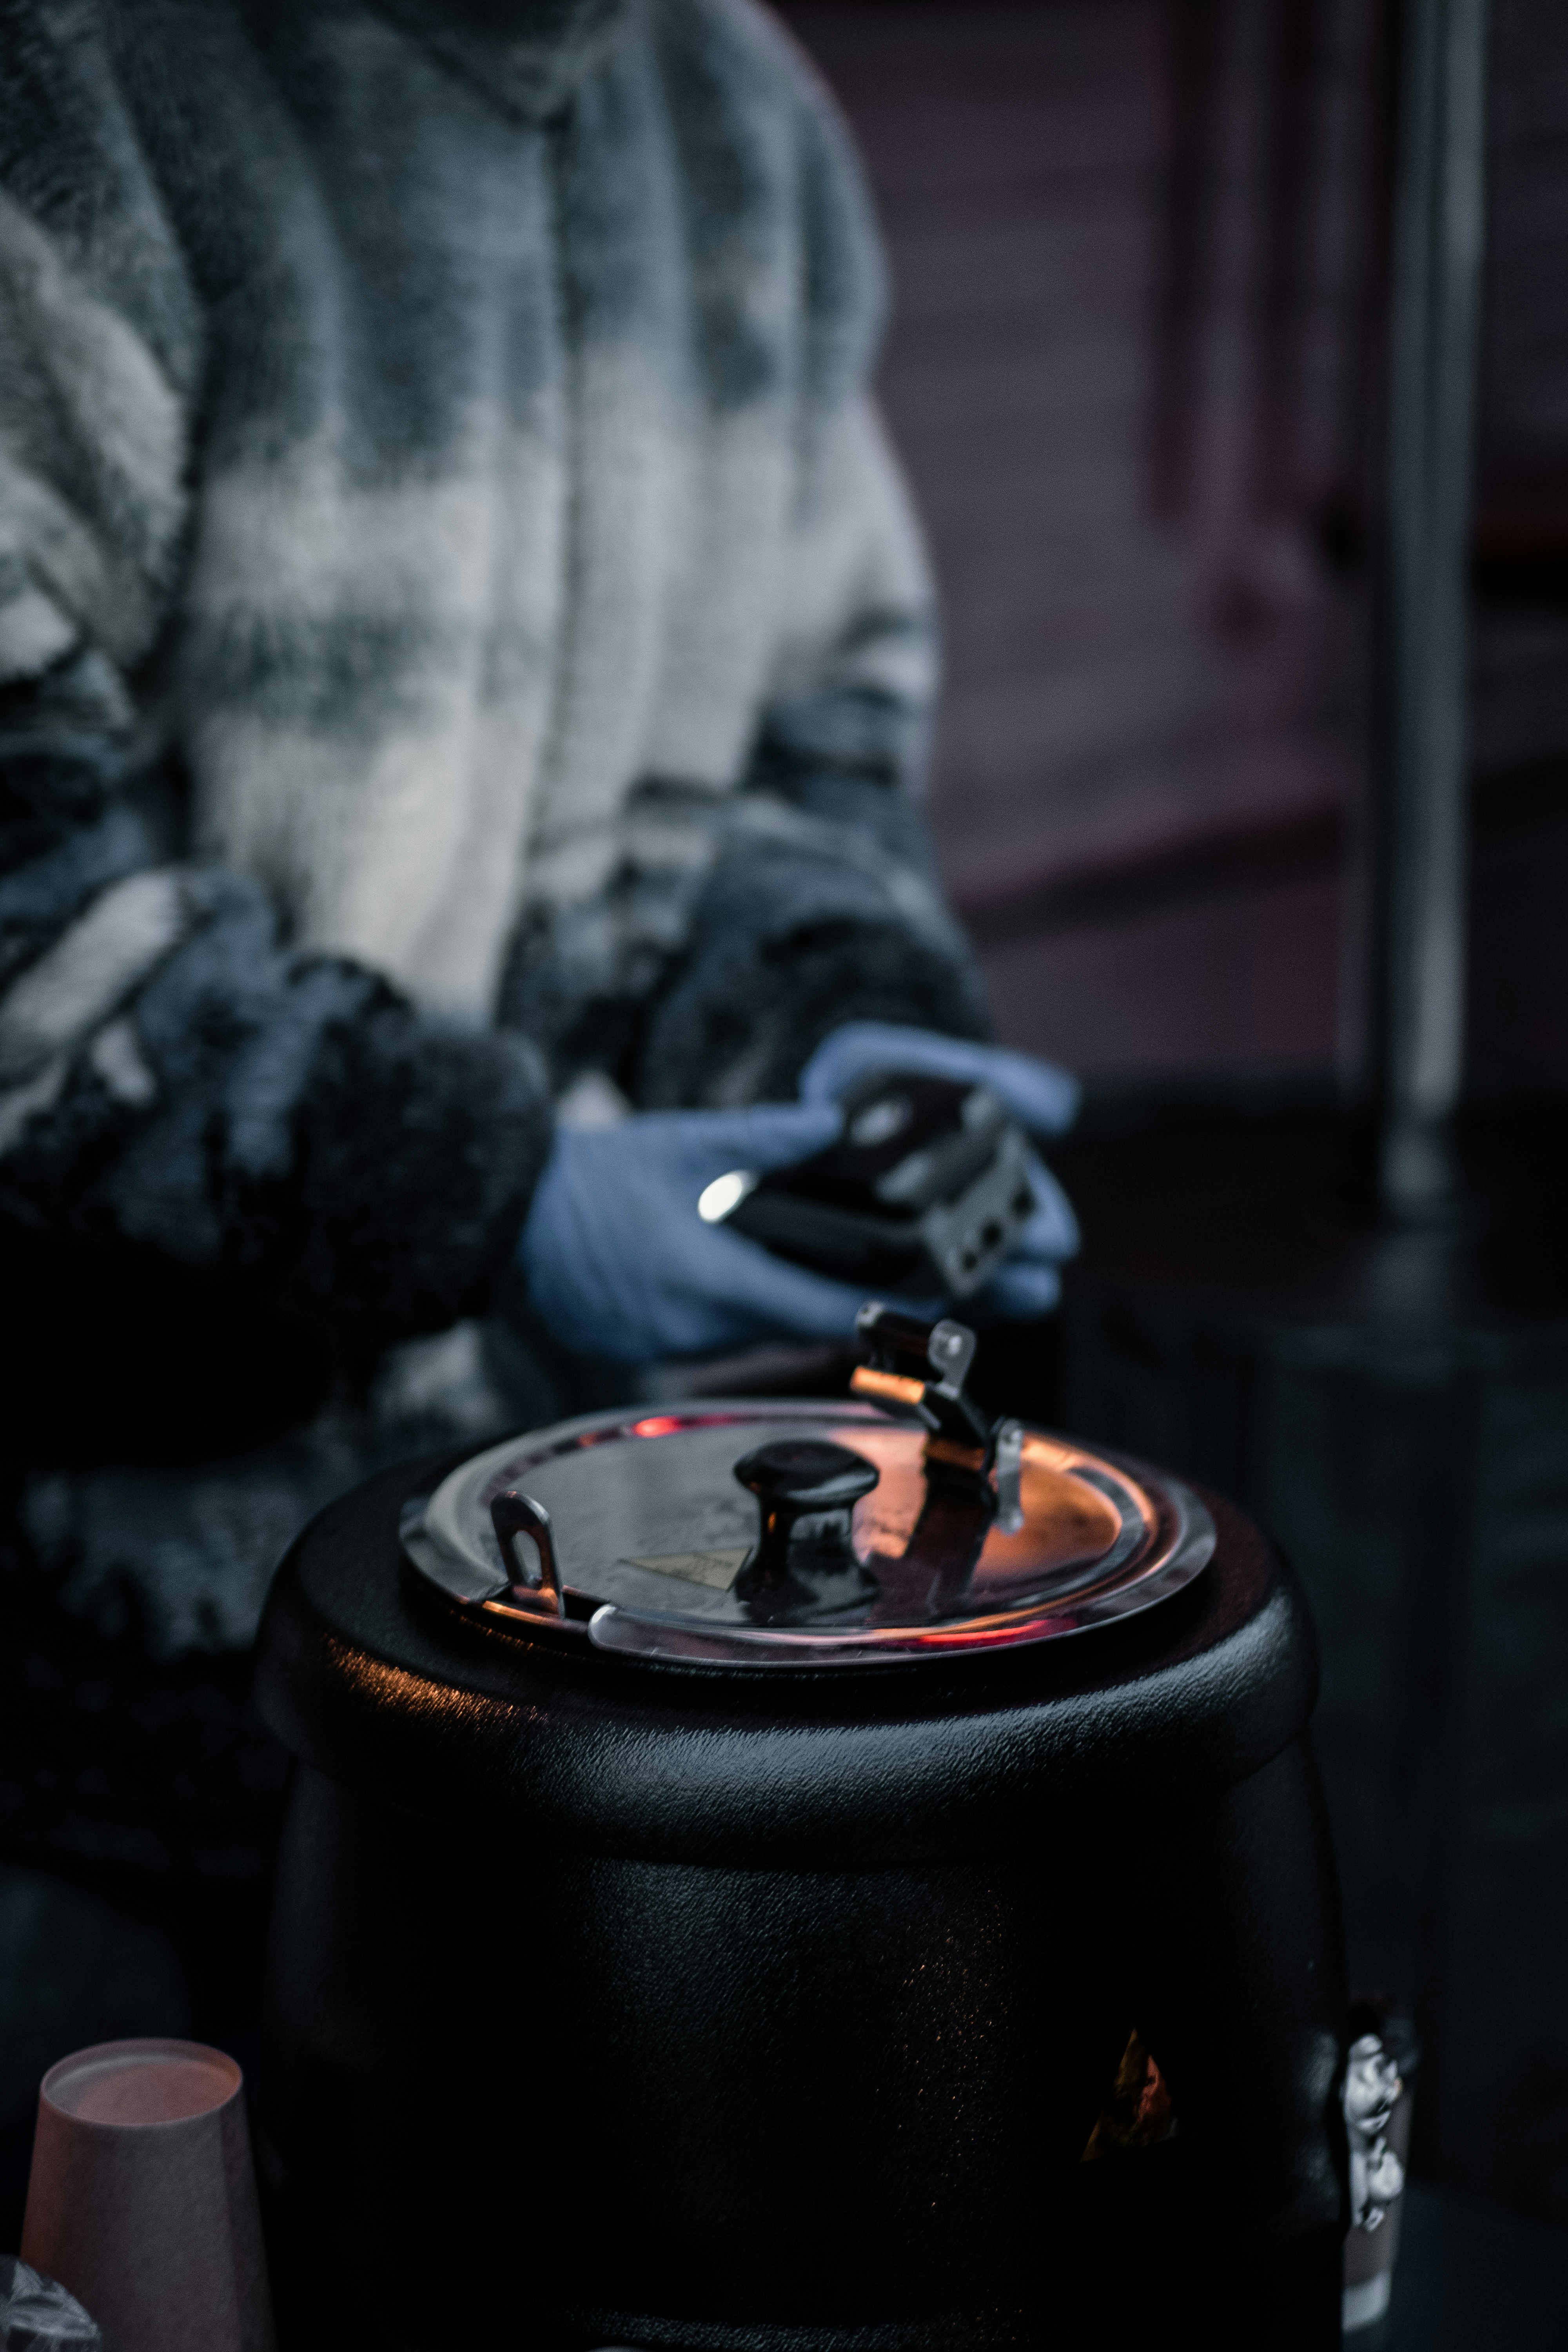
(460, 628)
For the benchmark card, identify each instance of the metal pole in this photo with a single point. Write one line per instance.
(1418, 846)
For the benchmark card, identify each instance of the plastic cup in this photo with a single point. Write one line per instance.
(142, 2197)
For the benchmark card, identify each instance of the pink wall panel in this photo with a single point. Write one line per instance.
(1241, 980)
(1110, 694)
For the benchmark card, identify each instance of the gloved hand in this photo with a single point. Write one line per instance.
(1042, 1100)
(620, 1264)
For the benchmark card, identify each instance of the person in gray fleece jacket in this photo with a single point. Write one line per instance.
(464, 654)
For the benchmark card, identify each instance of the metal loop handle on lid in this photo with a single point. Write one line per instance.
(516, 1514)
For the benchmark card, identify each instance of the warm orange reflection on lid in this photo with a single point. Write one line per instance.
(866, 1381)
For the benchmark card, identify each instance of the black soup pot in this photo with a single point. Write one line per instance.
(799, 1877)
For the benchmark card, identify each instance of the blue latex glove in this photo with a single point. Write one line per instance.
(620, 1264)
(1042, 1100)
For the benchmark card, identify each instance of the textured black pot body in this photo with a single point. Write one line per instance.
(612, 2003)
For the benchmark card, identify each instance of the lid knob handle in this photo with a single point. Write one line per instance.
(805, 1564)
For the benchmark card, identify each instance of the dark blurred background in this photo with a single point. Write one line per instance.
(1139, 251)
(1139, 375)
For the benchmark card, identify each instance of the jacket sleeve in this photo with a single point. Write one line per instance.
(173, 1079)
(822, 904)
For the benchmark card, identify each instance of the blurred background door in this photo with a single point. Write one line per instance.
(1139, 255)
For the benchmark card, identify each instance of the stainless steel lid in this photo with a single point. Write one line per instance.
(895, 1526)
